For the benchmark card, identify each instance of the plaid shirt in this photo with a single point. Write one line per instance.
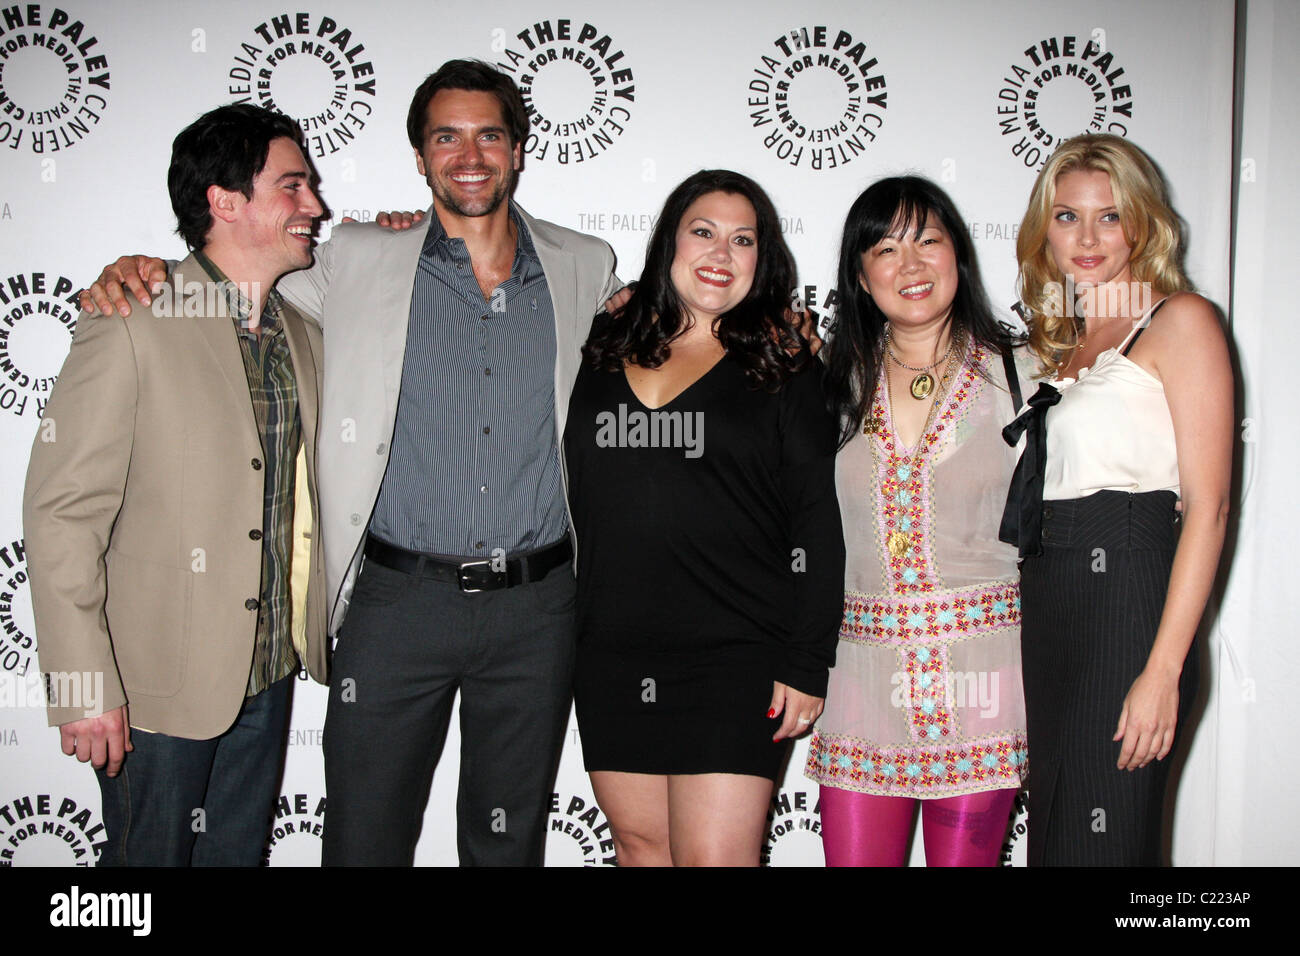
(274, 393)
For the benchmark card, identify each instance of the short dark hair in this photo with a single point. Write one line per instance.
(757, 331)
(469, 75)
(226, 147)
(892, 207)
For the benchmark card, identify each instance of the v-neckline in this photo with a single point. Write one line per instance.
(628, 385)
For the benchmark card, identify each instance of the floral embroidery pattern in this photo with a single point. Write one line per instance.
(953, 613)
(904, 481)
(965, 767)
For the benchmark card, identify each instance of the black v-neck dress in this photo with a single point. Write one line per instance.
(710, 564)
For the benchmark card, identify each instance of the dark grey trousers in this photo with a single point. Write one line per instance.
(408, 644)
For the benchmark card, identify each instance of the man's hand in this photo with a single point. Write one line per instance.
(140, 275)
(397, 220)
(101, 740)
(614, 304)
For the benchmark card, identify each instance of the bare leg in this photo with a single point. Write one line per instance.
(636, 805)
(717, 819)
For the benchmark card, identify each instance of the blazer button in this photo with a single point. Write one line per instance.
(1047, 513)
(1046, 534)
(252, 604)
(257, 464)
(255, 535)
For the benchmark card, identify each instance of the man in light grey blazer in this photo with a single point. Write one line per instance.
(169, 513)
(452, 349)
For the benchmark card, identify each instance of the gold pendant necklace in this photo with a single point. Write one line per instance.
(923, 384)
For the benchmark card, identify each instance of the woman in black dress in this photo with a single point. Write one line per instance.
(700, 454)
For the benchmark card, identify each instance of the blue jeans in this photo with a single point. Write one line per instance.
(180, 802)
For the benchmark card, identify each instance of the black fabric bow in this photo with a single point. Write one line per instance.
(1022, 518)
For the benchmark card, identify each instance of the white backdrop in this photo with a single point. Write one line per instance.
(814, 102)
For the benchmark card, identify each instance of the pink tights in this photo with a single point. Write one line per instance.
(860, 829)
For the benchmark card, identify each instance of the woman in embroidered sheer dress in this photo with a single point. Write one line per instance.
(1125, 427)
(924, 704)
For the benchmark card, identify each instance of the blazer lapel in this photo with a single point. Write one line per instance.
(216, 329)
(394, 313)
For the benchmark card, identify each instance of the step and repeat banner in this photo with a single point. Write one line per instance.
(814, 100)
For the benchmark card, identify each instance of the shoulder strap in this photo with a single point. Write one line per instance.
(1013, 380)
(1143, 324)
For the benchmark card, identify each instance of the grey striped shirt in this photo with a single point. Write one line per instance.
(475, 464)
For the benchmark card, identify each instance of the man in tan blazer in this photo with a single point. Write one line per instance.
(453, 349)
(170, 513)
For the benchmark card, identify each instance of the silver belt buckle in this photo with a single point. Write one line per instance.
(473, 583)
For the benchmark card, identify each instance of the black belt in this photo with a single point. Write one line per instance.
(490, 574)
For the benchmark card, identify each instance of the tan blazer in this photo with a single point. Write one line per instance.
(360, 289)
(145, 484)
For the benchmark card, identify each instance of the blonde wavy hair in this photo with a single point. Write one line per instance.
(1152, 228)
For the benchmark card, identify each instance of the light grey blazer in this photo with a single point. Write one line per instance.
(359, 289)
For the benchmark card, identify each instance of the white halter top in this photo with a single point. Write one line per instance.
(1111, 429)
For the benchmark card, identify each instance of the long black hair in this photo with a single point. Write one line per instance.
(757, 332)
(892, 207)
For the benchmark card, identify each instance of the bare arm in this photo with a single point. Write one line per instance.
(1185, 347)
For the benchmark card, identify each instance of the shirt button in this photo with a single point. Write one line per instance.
(251, 604)
(355, 519)
(487, 429)
(478, 545)
(483, 489)
(381, 448)
(487, 371)
(255, 535)
(257, 464)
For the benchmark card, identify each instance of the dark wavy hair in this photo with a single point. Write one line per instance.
(476, 76)
(757, 332)
(225, 147)
(892, 207)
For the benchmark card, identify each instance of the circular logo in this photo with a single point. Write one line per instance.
(577, 87)
(817, 98)
(311, 68)
(54, 79)
(36, 326)
(45, 830)
(579, 834)
(296, 831)
(794, 831)
(1014, 846)
(1062, 86)
(17, 623)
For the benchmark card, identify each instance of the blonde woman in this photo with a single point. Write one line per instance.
(1135, 416)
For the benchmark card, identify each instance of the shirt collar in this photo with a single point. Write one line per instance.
(241, 308)
(523, 250)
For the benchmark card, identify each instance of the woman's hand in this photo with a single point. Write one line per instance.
(800, 710)
(1147, 720)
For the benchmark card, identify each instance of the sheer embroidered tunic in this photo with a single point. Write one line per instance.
(925, 697)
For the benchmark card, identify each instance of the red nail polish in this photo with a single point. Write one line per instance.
(771, 712)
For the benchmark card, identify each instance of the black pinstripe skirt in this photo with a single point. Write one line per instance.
(1091, 604)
